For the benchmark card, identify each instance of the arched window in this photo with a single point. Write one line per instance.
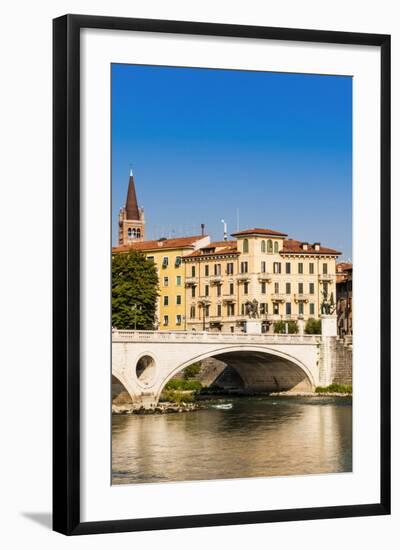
(269, 246)
(129, 232)
(276, 247)
(134, 233)
(262, 246)
(245, 245)
(138, 234)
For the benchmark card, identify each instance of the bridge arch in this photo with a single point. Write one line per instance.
(261, 368)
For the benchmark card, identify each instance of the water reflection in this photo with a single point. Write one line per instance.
(257, 437)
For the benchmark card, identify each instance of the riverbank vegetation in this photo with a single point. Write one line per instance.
(335, 388)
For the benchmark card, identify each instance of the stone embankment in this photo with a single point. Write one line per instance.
(162, 408)
(309, 394)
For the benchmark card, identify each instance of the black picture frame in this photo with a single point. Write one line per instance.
(66, 273)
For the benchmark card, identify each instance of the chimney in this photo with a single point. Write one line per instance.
(202, 229)
(304, 246)
(317, 246)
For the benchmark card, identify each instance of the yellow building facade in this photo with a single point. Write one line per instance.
(261, 270)
(167, 254)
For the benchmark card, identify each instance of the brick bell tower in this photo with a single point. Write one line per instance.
(131, 217)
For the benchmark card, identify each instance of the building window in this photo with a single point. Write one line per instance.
(218, 290)
(276, 247)
(179, 319)
(165, 320)
(263, 267)
(192, 312)
(288, 288)
(193, 291)
(206, 271)
(165, 300)
(246, 288)
(165, 262)
(178, 261)
(193, 271)
(325, 269)
(230, 288)
(262, 246)
(312, 289)
(312, 308)
(301, 288)
(229, 268)
(287, 268)
(311, 268)
(231, 310)
(288, 308)
(178, 299)
(300, 268)
(276, 288)
(276, 309)
(301, 308)
(325, 287)
(150, 258)
(138, 233)
(277, 267)
(243, 309)
(263, 288)
(178, 280)
(245, 246)
(166, 281)
(263, 309)
(269, 246)
(217, 269)
(244, 266)
(207, 311)
(206, 290)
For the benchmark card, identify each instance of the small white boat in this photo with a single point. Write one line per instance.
(223, 406)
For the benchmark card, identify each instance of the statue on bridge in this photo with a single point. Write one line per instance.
(327, 307)
(252, 309)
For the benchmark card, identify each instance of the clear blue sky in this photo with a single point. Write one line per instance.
(203, 143)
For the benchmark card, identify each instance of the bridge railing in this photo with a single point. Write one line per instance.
(205, 337)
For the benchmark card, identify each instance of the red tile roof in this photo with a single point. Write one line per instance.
(179, 242)
(344, 266)
(259, 231)
(229, 250)
(291, 246)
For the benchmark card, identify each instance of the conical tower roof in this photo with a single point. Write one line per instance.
(131, 206)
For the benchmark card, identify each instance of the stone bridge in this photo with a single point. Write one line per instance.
(144, 361)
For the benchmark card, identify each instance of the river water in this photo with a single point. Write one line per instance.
(256, 437)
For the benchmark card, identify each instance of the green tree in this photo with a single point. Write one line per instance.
(192, 371)
(134, 291)
(313, 326)
(280, 327)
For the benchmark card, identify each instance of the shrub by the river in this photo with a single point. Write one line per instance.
(280, 327)
(174, 396)
(192, 371)
(177, 384)
(313, 326)
(335, 388)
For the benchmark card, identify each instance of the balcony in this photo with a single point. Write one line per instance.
(242, 277)
(204, 300)
(191, 281)
(302, 298)
(264, 277)
(330, 277)
(216, 279)
(278, 298)
(228, 298)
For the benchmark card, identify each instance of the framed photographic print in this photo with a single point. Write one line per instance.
(217, 360)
